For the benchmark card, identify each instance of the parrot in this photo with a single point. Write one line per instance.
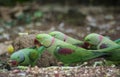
(100, 42)
(26, 56)
(66, 38)
(68, 53)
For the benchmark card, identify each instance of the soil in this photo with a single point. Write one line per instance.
(75, 21)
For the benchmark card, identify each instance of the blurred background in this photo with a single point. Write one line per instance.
(76, 18)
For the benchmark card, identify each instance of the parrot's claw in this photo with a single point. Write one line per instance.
(100, 63)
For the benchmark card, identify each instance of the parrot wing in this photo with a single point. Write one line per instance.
(64, 51)
(66, 55)
(33, 55)
(70, 55)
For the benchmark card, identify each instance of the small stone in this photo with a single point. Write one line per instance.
(16, 71)
(109, 17)
(21, 34)
(2, 30)
(6, 35)
(22, 74)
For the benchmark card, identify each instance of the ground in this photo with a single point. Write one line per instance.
(75, 21)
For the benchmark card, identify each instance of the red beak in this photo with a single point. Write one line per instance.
(13, 62)
(37, 43)
(86, 45)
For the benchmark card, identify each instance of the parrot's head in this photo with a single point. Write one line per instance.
(57, 34)
(93, 39)
(16, 58)
(45, 39)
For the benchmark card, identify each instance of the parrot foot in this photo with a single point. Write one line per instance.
(85, 63)
(98, 63)
(79, 66)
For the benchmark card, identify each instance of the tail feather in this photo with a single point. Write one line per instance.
(107, 50)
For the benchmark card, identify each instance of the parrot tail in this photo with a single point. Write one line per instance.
(106, 50)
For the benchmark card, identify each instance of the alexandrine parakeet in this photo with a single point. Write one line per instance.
(100, 42)
(26, 56)
(66, 38)
(66, 52)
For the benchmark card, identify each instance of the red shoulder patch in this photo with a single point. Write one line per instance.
(65, 51)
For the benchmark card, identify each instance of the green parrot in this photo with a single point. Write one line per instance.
(26, 56)
(66, 38)
(68, 53)
(98, 41)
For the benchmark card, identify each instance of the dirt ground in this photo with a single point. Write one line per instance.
(75, 21)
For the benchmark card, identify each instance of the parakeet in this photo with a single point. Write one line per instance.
(100, 42)
(26, 56)
(66, 52)
(66, 38)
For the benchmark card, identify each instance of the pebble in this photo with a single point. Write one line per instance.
(2, 30)
(16, 71)
(6, 35)
(21, 34)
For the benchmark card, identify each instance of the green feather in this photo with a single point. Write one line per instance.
(30, 55)
(66, 38)
(94, 39)
(79, 55)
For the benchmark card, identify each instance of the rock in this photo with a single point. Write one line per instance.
(24, 41)
(47, 60)
(28, 41)
(3, 48)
